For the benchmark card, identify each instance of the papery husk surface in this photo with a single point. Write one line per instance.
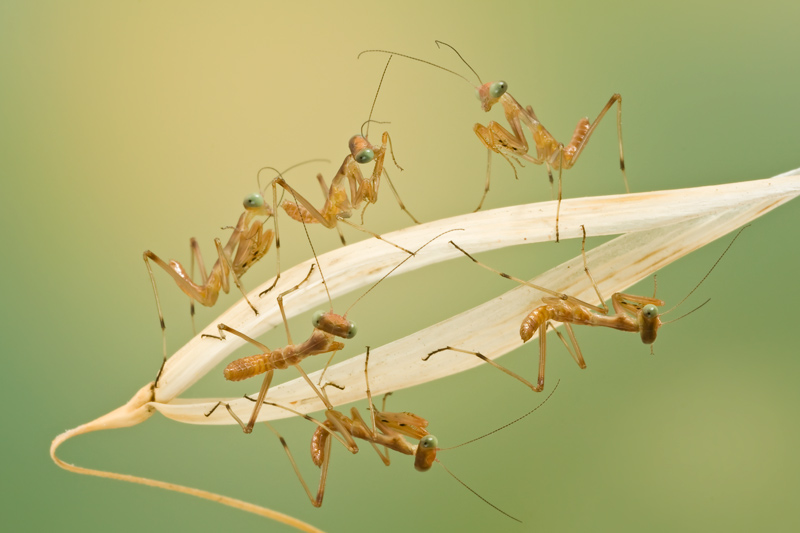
(656, 228)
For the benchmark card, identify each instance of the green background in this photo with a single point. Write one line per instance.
(133, 126)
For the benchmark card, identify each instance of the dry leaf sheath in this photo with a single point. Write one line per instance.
(656, 229)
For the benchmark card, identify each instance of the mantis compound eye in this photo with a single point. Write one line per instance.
(650, 311)
(253, 200)
(498, 89)
(429, 442)
(317, 318)
(365, 156)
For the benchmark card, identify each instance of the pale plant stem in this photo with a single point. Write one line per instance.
(656, 229)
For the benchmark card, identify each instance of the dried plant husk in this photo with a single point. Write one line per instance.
(655, 229)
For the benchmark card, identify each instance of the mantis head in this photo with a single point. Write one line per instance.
(490, 93)
(334, 324)
(649, 322)
(361, 149)
(426, 453)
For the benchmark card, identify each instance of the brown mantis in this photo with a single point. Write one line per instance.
(327, 325)
(248, 243)
(634, 314)
(387, 429)
(551, 153)
(338, 207)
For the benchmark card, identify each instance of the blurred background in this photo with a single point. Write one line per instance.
(134, 126)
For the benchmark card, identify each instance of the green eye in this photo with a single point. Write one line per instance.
(650, 311)
(365, 156)
(253, 200)
(498, 89)
(352, 331)
(429, 442)
(315, 320)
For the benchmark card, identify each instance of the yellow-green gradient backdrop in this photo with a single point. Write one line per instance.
(133, 126)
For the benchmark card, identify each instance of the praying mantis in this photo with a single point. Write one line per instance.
(338, 207)
(513, 144)
(387, 429)
(248, 243)
(327, 325)
(632, 313)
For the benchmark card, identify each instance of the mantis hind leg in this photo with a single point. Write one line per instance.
(316, 501)
(486, 360)
(584, 130)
